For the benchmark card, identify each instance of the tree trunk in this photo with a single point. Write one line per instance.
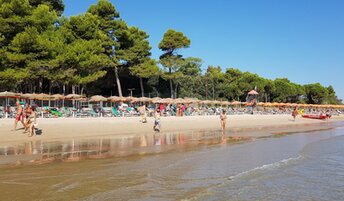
(176, 91)
(64, 89)
(118, 83)
(171, 87)
(266, 97)
(206, 90)
(213, 92)
(82, 90)
(73, 89)
(171, 83)
(40, 85)
(142, 89)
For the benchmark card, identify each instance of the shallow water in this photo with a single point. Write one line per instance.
(200, 166)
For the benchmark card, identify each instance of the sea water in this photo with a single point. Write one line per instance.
(198, 166)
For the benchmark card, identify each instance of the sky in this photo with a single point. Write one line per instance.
(302, 40)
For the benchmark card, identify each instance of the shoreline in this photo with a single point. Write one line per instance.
(237, 125)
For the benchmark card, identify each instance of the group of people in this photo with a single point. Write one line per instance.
(27, 116)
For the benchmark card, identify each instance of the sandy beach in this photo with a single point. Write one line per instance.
(237, 125)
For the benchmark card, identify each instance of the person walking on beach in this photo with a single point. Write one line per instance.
(19, 116)
(31, 122)
(143, 115)
(27, 113)
(157, 124)
(223, 120)
(294, 113)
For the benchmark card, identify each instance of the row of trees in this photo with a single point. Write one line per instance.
(98, 53)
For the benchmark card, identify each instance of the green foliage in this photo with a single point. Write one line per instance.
(315, 93)
(40, 51)
(146, 69)
(173, 40)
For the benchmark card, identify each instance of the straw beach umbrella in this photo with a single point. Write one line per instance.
(27, 96)
(7, 95)
(98, 98)
(73, 96)
(115, 99)
(57, 97)
(144, 100)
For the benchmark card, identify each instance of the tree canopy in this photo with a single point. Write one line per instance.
(98, 52)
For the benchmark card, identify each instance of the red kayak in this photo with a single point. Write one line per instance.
(316, 116)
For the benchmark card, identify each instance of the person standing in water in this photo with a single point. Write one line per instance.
(223, 120)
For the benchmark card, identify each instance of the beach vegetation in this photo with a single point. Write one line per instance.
(97, 52)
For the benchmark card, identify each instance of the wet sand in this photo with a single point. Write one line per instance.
(187, 166)
(237, 125)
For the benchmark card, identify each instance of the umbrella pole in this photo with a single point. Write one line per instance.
(42, 109)
(6, 113)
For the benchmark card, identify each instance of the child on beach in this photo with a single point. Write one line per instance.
(223, 119)
(157, 125)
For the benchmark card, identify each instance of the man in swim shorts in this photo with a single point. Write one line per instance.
(19, 116)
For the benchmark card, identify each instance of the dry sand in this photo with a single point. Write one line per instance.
(237, 125)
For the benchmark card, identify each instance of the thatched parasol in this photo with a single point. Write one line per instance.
(73, 96)
(98, 98)
(115, 99)
(178, 101)
(260, 104)
(216, 102)
(226, 103)
(206, 102)
(163, 100)
(144, 100)
(235, 103)
(28, 96)
(58, 97)
(42, 96)
(7, 94)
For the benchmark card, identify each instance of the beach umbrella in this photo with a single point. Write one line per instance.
(267, 104)
(42, 96)
(225, 103)
(216, 102)
(167, 100)
(98, 98)
(162, 100)
(236, 103)
(27, 96)
(57, 97)
(179, 101)
(73, 96)
(6, 95)
(144, 99)
(205, 102)
(156, 100)
(115, 99)
(260, 104)
(191, 100)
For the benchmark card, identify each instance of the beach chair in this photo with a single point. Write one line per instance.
(115, 112)
(106, 112)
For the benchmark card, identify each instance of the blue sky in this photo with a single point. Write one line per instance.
(302, 40)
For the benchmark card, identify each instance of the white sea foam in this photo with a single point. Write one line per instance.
(270, 166)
